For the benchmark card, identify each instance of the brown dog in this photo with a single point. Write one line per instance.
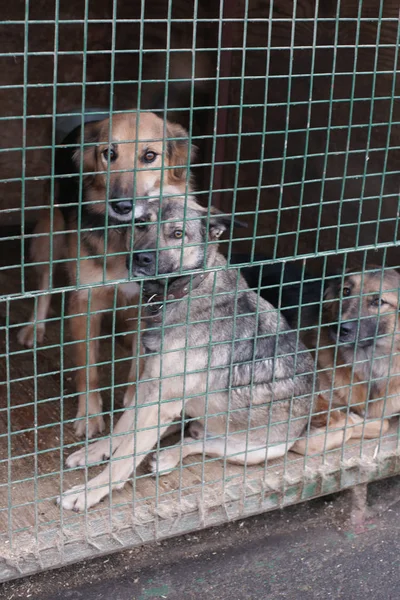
(142, 155)
(361, 337)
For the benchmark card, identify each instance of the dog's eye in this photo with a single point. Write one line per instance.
(378, 302)
(178, 234)
(109, 155)
(149, 156)
(346, 291)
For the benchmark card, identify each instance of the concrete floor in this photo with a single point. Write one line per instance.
(305, 551)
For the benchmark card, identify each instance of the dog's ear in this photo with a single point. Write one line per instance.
(330, 291)
(92, 132)
(178, 151)
(331, 288)
(221, 222)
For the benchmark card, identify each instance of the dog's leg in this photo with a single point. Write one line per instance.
(130, 326)
(40, 252)
(166, 460)
(85, 350)
(321, 439)
(235, 451)
(341, 429)
(144, 421)
(135, 371)
(127, 314)
(371, 429)
(102, 450)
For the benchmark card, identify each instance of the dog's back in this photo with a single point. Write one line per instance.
(272, 364)
(295, 292)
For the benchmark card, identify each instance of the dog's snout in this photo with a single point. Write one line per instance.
(144, 259)
(347, 329)
(123, 207)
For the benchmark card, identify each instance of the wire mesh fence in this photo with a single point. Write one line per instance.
(199, 238)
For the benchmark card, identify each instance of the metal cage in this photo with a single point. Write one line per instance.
(293, 109)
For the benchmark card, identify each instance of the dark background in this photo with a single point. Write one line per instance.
(343, 151)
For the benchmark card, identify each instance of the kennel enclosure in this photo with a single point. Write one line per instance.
(293, 107)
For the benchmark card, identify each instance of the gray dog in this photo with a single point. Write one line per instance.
(215, 353)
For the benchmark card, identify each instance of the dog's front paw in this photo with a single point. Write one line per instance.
(79, 498)
(196, 430)
(27, 335)
(94, 453)
(94, 423)
(165, 461)
(355, 419)
(74, 499)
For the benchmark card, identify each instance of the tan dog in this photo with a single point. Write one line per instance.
(142, 155)
(361, 335)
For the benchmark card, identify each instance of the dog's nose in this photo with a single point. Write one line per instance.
(347, 329)
(144, 259)
(123, 208)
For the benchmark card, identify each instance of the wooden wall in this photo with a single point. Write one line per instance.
(328, 147)
(291, 190)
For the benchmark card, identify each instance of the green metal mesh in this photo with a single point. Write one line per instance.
(293, 109)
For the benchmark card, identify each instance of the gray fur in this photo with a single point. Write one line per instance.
(256, 356)
(226, 358)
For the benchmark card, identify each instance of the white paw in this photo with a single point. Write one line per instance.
(79, 498)
(196, 430)
(94, 425)
(94, 453)
(26, 335)
(165, 462)
(355, 419)
(127, 401)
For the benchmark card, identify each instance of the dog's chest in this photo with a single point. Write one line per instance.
(151, 341)
(130, 289)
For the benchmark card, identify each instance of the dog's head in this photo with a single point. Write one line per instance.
(363, 307)
(131, 161)
(171, 236)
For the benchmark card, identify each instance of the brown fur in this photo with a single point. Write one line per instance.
(87, 248)
(361, 335)
(96, 80)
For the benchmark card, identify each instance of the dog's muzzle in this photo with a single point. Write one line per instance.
(122, 208)
(143, 263)
(348, 331)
